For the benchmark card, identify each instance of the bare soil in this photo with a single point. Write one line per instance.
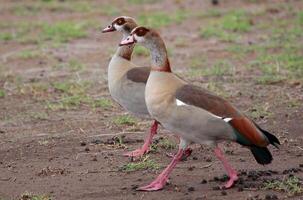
(65, 153)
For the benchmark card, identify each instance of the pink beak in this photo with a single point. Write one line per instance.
(109, 28)
(129, 40)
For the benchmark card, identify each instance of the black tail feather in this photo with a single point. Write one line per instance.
(261, 154)
(271, 138)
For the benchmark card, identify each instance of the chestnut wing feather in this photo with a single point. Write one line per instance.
(199, 97)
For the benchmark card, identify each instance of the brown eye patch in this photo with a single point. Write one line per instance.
(141, 31)
(120, 21)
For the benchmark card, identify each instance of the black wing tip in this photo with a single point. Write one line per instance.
(271, 138)
(262, 155)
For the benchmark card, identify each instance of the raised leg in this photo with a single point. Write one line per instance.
(148, 140)
(161, 180)
(230, 171)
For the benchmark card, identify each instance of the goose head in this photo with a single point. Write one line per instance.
(123, 24)
(140, 35)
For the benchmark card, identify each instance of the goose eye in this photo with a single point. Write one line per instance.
(120, 21)
(141, 32)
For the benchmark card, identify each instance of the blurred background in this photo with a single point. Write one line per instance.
(53, 67)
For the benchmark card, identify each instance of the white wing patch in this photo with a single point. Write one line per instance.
(227, 119)
(180, 103)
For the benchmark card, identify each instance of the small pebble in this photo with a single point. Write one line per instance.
(195, 158)
(216, 188)
(96, 141)
(271, 197)
(191, 189)
(240, 181)
(243, 173)
(191, 168)
(134, 187)
(82, 143)
(224, 193)
(87, 149)
(208, 160)
(203, 181)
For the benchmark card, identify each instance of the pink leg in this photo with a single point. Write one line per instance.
(145, 148)
(230, 171)
(185, 155)
(161, 180)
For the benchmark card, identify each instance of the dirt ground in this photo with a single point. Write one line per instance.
(62, 137)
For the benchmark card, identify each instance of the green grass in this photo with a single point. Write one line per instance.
(29, 54)
(141, 51)
(71, 87)
(124, 120)
(220, 68)
(300, 17)
(64, 31)
(21, 31)
(110, 10)
(210, 13)
(160, 19)
(227, 27)
(237, 21)
(5, 36)
(167, 144)
(269, 79)
(31, 9)
(278, 66)
(38, 88)
(199, 68)
(30, 196)
(144, 164)
(39, 115)
(75, 65)
(294, 103)
(217, 32)
(38, 32)
(218, 89)
(68, 102)
(290, 185)
(142, 1)
(278, 56)
(102, 103)
(181, 42)
(2, 93)
(71, 95)
(259, 111)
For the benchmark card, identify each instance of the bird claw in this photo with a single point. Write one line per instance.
(231, 181)
(136, 153)
(154, 186)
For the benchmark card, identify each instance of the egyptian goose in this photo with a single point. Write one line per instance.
(193, 113)
(127, 81)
